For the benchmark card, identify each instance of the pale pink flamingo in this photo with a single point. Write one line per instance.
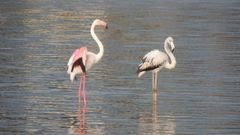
(82, 60)
(155, 60)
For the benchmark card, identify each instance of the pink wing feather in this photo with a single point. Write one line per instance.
(77, 54)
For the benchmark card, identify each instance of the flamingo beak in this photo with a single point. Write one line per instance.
(103, 23)
(173, 47)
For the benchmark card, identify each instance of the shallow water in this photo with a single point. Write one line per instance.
(200, 96)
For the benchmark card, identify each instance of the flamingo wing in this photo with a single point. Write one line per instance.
(152, 60)
(78, 57)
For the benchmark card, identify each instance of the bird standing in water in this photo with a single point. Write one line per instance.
(155, 60)
(82, 60)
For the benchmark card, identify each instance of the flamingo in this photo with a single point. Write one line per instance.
(82, 60)
(155, 60)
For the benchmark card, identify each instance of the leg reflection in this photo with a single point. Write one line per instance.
(81, 118)
(161, 124)
(154, 112)
(80, 128)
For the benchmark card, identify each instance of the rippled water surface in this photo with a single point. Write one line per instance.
(200, 96)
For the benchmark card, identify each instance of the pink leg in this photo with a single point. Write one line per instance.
(83, 90)
(80, 89)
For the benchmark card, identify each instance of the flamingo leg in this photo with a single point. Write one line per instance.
(80, 89)
(83, 90)
(154, 82)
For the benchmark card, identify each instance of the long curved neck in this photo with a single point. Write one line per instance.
(99, 43)
(171, 56)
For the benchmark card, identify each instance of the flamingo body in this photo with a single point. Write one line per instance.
(153, 60)
(77, 62)
(77, 54)
(80, 62)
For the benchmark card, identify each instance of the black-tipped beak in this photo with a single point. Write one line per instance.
(106, 27)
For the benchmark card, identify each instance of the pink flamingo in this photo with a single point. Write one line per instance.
(82, 60)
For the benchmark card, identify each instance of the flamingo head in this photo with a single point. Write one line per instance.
(170, 42)
(100, 23)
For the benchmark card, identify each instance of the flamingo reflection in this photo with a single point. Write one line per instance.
(158, 123)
